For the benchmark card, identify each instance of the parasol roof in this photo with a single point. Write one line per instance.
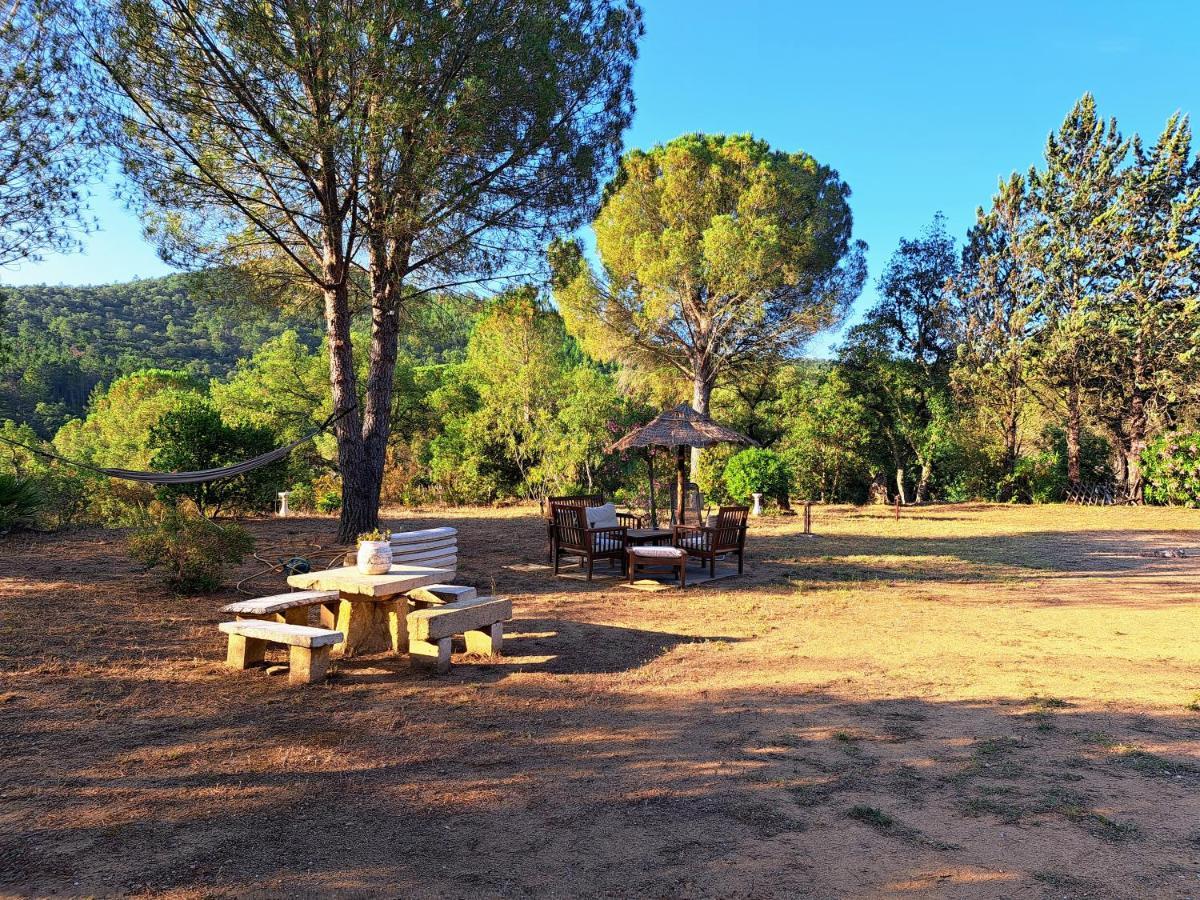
(680, 427)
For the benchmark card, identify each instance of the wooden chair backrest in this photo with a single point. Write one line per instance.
(730, 527)
(583, 501)
(570, 523)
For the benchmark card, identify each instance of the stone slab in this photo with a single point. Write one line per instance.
(292, 635)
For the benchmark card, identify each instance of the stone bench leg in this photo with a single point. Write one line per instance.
(245, 652)
(397, 624)
(425, 654)
(488, 641)
(297, 615)
(307, 666)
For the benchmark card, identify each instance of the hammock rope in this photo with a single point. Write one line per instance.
(199, 477)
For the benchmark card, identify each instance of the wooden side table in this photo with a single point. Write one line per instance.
(657, 561)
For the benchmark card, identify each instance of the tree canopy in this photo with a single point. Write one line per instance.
(716, 252)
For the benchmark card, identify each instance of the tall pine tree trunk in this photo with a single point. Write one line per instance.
(1074, 435)
(923, 483)
(359, 500)
(1136, 426)
(702, 388)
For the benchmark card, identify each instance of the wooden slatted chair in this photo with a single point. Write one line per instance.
(572, 537)
(582, 501)
(726, 535)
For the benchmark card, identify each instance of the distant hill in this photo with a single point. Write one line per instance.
(58, 343)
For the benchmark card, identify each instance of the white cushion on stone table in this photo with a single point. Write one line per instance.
(663, 552)
(602, 516)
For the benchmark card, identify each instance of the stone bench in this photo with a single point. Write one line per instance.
(290, 608)
(440, 595)
(308, 648)
(480, 620)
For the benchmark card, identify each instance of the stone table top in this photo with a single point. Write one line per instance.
(348, 580)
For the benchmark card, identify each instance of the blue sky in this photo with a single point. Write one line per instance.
(921, 106)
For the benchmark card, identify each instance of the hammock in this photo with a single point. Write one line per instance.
(191, 477)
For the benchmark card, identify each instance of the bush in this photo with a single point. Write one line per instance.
(756, 471)
(711, 475)
(327, 494)
(20, 500)
(195, 438)
(1171, 469)
(194, 551)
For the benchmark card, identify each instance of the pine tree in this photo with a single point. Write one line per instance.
(1074, 250)
(993, 373)
(1150, 319)
(899, 358)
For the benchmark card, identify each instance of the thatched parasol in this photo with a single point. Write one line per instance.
(678, 428)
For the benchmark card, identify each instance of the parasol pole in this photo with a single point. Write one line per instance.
(650, 466)
(682, 455)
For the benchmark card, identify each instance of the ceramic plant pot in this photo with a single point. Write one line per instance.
(374, 557)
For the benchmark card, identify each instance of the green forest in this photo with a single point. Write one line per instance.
(1046, 355)
(61, 343)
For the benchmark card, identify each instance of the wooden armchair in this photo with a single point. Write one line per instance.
(707, 542)
(572, 537)
(582, 501)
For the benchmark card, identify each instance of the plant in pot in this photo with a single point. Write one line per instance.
(374, 552)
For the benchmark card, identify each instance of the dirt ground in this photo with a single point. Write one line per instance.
(974, 701)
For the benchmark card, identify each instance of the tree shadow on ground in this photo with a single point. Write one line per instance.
(537, 645)
(564, 787)
(837, 561)
(606, 760)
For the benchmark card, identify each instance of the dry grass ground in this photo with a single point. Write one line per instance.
(971, 702)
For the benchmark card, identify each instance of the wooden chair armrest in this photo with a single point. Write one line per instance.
(626, 518)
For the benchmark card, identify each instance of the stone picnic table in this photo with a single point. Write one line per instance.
(372, 609)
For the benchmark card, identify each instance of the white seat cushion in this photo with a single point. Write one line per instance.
(602, 516)
(607, 542)
(662, 552)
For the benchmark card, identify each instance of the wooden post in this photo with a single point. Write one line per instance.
(808, 517)
(650, 466)
(897, 507)
(681, 479)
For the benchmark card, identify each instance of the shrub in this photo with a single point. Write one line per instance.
(303, 496)
(195, 438)
(711, 475)
(194, 551)
(1171, 469)
(327, 493)
(756, 471)
(20, 500)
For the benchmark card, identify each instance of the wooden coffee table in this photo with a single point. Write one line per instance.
(649, 562)
(649, 537)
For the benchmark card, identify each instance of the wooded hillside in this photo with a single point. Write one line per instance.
(60, 342)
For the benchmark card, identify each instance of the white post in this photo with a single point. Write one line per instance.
(284, 510)
(757, 511)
